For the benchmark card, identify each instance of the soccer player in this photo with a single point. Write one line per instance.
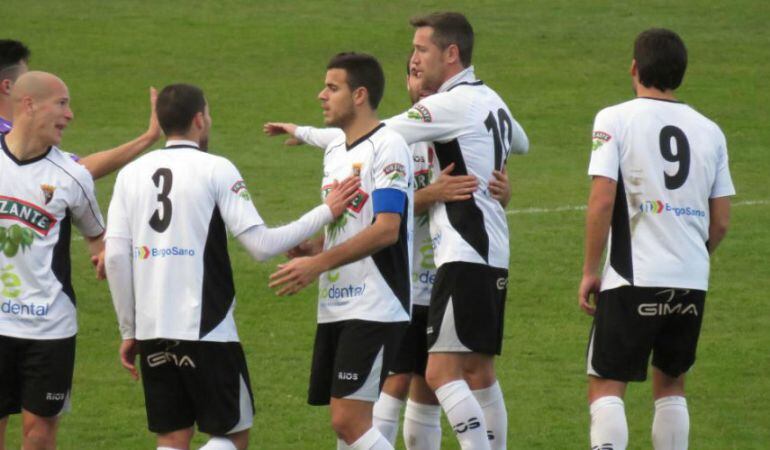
(42, 193)
(660, 203)
(171, 279)
(14, 59)
(422, 424)
(364, 268)
(469, 126)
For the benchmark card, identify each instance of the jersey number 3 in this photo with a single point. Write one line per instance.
(682, 156)
(160, 222)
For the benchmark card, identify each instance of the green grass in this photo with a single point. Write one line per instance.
(556, 63)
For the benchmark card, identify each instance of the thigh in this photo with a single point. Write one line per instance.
(676, 343)
(622, 334)
(467, 309)
(46, 368)
(169, 406)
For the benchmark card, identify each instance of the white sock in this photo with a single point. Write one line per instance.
(495, 415)
(385, 415)
(167, 448)
(671, 426)
(422, 426)
(464, 414)
(371, 440)
(609, 430)
(219, 443)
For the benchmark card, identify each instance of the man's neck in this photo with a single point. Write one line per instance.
(360, 126)
(184, 137)
(651, 92)
(6, 111)
(23, 146)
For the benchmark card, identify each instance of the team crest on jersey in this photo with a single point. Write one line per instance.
(48, 191)
(358, 201)
(419, 112)
(239, 189)
(600, 138)
(29, 214)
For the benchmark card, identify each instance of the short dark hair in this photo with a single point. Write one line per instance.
(12, 53)
(449, 28)
(177, 105)
(661, 58)
(362, 71)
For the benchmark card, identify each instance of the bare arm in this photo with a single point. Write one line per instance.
(500, 188)
(598, 219)
(719, 221)
(105, 162)
(300, 272)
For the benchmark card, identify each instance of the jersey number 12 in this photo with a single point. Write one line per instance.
(502, 134)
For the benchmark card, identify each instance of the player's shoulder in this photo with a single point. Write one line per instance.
(64, 162)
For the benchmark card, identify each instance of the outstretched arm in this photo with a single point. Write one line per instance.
(105, 162)
(598, 219)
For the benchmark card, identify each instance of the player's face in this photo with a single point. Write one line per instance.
(52, 114)
(428, 59)
(414, 86)
(337, 99)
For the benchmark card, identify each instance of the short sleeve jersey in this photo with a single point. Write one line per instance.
(176, 206)
(375, 288)
(40, 199)
(668, 161)
(423, 266)
(469, 125)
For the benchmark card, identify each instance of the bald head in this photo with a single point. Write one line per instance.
(37, 85)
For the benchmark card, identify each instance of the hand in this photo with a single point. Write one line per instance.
(341, 194)
(589, 286)
(310, 247)
(294, 275)
(128, 351)
(276, 128)
(153, 130)
(453, 188)
(499, 187)
(98, 262)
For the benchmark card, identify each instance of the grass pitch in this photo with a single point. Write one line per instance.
(556, 63)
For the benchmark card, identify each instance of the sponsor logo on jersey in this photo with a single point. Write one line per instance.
(29, 214)
(421, 178)
(659, 207)
(355, 205)
(159, 358)
(395, 171)
(665, 308)
(48, 191)
(23, 309)
(333, 276)
(347, 376)
(426, 277)
(239, 189)
(419, 112)
(600, 138)
(144, 252)
(15, 238)
(11, 283)
(335, 292)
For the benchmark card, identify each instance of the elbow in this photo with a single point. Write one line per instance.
(390, 236)
(719, 230)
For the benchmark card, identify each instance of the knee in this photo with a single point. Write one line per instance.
(480, 377)
(40, 435)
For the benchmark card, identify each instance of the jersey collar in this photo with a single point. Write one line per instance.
(16, 160)
(467, 76)
(181, 143)
(364, 137)
(663, 100)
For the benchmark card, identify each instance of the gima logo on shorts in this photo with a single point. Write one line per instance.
(659, 207)
(145, 252)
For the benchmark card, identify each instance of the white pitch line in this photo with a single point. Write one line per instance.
(512, 212)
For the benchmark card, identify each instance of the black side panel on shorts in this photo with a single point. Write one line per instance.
(218, 287)
(464, 216)
(620, 254)
(393, 263)
(60, 263)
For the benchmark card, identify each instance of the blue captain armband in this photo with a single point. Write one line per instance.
(388, 200)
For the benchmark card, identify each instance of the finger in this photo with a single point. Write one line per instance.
(458, 198)
(153, 96)
(499, 176)
(281, 280)
(292, 142)
(448, 170)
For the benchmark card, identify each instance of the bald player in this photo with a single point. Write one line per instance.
(42, 193)
(14, 60)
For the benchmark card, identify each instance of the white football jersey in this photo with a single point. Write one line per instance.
(40, 199)
(175, 205)
(469, 125)
(668, 160)
(377, 287)
(423, 266)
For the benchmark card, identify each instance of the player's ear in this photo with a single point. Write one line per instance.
(199, 120)
(634, 69)
(360, 96)
(452, 53)
(5, 86)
